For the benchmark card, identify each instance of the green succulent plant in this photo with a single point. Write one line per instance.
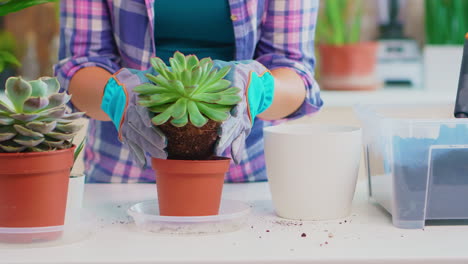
(189, 90)
(33, 116)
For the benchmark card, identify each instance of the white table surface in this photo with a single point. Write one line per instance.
(366, 236)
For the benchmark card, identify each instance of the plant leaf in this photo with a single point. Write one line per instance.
(180, 108)
(61, 136)
(17, 5)
(196, 118)
(159, 108)
(162, 117)
(150, 89)
(192, 61)
(217, 87)
(212, 113)
(28, 141)
(229, 100)
(18, 90)
(42, 127)
(69, 128)
(6, 121)
(78, 150)
(58, 99)
(34, 104)
(180, 58)
(53, 85)
(180, 122)
(206, 97)
(39, 88)
(25, 117)
(27, 132)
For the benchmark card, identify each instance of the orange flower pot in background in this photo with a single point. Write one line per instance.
(33, 192)
(348, 67)
(190, 187)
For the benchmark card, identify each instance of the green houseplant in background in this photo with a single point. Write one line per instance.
(345, 62)
(446, 23)
(188, 102)
(8, 61)
(35, 141)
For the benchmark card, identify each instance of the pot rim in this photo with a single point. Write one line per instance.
(32, 154)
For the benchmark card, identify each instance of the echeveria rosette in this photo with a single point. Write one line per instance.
(190, 90)
(34, 118)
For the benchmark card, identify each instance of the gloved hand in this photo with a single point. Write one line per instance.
(131, 120)
(257, 90)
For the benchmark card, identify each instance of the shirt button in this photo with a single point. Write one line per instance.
(233, 18)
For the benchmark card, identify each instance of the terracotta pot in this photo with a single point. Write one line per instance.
(190, 187)
(33, 191)
(348, 67)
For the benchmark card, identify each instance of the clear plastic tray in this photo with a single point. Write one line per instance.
(232, 216)
(73, 231)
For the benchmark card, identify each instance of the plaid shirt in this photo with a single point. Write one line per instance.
(112, 34)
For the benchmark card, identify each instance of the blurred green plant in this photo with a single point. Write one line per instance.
(7, 51)
(446, 21)
(339, 22)
(11, 6)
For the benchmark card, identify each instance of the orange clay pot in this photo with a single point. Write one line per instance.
(33, 192)
(190, 187)
(348, 67)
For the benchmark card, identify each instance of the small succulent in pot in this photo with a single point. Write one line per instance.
(188, 101)
(34, 118)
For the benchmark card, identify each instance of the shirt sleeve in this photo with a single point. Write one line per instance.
(287, 40)
(86, 39)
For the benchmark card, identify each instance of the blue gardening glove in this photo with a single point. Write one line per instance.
(131, 120)
(257, 89)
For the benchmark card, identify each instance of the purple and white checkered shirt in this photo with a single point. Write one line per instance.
(112, 34)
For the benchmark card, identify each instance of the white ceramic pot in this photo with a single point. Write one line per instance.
(312, 169)
(75, 197)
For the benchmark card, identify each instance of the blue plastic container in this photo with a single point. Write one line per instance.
(416, 161)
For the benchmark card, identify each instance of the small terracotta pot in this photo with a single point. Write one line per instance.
(348, 67)
(190, 187)
(33, 191)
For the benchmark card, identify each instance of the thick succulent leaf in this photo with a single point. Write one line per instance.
(40, 148)
(196, 74)
(186, 77)
(159, 108)
(180, 58)
(192, 62)
(176, 68)
(5, 120)
(232, 90)
(28, 141)
(58, 99)
(69, 128)
(178, 86)
(149, 89)
(25, 117)
(206, 77)
(61, 136)
(229, 99)
(160, 81)
(219, 86)
(12, 148)
(52, 142)
(7, 133)
(163, 117)
(180, 122)
(18, 90)
(5, 108)
(34, 104)
(209, 98)
(212, 113)
(42, 127)
(159, 99)
(72, 116)
(205, 61)
(215, 77)
(56, 112)
(27, 132)
(196, 118)
(38, 88)
(180, 108)
(53, 85)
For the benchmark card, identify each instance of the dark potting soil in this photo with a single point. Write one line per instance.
(190, 142)
(447, 167)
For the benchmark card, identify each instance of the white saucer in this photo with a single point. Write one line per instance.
(232, 216)
(51, 236)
